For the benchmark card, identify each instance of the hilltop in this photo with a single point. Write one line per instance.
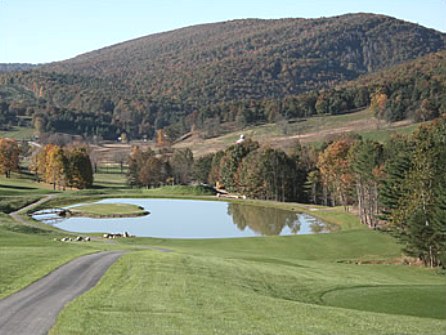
(12, 67)
(203, 76)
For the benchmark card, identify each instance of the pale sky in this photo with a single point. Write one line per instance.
(40, 31)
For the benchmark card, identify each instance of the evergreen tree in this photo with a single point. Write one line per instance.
(366, 162)
(202, 168)
(413, 194)
(231, 160)
(181, 163)
(268, 174)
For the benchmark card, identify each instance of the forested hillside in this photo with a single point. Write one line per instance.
(11, 67)
(242, 71)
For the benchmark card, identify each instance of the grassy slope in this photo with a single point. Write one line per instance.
(19, 133)
(274, 285)
(236, 290)
(281, 285)
(313, 130)
(29, 253)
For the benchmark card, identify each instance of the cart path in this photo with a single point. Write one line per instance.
(33, 310)
(16, 215)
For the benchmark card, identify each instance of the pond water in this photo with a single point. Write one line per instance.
(170, 218)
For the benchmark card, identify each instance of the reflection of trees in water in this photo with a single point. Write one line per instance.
(262, 220)
(316, 226)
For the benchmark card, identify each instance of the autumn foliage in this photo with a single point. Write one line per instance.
(63, 167)
(9, 156)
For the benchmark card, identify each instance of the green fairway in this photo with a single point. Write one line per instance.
(29, 253)
(416, 300)
(22, 185)
(238, 286)
(109, 180)
(175, 293)
(20, 191)
(346, 282)
(384, 135)
(18, 133)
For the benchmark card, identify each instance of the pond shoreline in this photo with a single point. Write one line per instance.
(174, 218)
(70, 213)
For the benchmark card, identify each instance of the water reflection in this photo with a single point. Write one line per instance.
(171, 218)
(267, 221)
(262, 220)
(48, 218)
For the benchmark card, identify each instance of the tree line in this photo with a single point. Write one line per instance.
(399, 186)
(150, 169)
(63, 167)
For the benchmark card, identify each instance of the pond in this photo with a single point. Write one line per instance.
(194, 219)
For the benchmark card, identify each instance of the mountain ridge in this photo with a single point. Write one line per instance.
(185, 77)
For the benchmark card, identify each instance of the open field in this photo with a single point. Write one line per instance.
(348, 282)
(18, 133)
(313, 130)
(109, 180)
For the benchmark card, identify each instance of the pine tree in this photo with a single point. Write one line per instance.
(366, 159)
(231, 160)
(413, 194)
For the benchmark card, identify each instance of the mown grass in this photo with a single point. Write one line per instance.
(273, 285)
(109, 180)
(104, 210)
(307, 284)
(21, 184)
(10, 204)
(18, 133)
(309, 125)
(416, 300)
(384, 135)
(28, 253)
(176, 293)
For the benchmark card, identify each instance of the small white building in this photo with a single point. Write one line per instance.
(241, 139)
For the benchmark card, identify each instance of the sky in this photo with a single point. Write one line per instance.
(42, 31)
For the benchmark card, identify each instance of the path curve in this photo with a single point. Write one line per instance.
(17, 214)
(33, 310)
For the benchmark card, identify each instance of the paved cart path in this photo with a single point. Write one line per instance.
(33, 310)
(17, 214)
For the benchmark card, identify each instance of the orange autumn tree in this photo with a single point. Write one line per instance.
(69, 167)
(78, 168)
(334, 167)
(54, 169)
(9, 156)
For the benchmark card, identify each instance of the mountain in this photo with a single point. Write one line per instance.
(12, 67)
(216, 72)
(415, 89)
(234, 60)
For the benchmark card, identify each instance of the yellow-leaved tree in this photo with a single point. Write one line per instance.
(9, 156)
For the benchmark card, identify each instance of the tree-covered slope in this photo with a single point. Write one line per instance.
(256, 58)
(204, 75)
(11, 67)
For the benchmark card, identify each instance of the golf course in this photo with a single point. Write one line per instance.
(351, 281)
